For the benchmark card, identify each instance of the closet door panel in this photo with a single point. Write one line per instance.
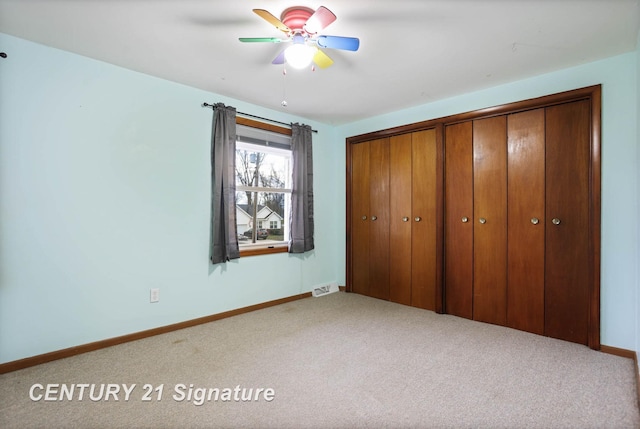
(458, 220)
(360, 234)
(526, 221)
(400, 215)
(423, 219)
(490, 225)
(568, 249)
(379, 219)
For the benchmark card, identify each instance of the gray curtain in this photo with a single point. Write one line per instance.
(223, 239)
(301, 221)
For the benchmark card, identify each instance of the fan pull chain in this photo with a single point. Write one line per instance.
(284, 86)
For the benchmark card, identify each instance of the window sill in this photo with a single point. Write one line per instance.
(255, 251)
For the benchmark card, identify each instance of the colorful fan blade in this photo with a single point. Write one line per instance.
(272, 20)
(337, 42)
(322, 60)
(319, 20)
(279, 59)
(260, 39)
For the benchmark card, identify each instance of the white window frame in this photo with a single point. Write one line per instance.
(286, 153)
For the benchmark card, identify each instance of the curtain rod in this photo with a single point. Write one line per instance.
(205, 104)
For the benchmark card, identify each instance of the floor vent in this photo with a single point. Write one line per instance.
(325, 289)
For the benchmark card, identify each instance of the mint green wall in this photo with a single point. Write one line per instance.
(637, 318)
(620, 163)
(104, 192)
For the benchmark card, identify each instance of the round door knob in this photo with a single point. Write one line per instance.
(465, 219)
(364, 218)
(555, 221)
(374, 217)
(535, 220)
(417, 219)
(405, 219)
(482, 220)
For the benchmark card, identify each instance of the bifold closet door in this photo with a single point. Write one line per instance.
(360, 234)
(424, 220)
(568, 248)
(490, 220)
(370, 218)
(400, 226)
(412, 219)
(526, 221)
(458, 222)
(379, 219)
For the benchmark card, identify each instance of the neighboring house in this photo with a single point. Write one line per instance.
(266, 218)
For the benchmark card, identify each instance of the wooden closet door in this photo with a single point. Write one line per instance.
(458, 220)
(424, 220)
(379, 218)
(526, 221)
(490, 225)
(400, 218)
(568, 263)
(360, 234)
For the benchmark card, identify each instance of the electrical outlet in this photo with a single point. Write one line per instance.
(154, 296)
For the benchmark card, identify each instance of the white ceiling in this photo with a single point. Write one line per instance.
(411, 51)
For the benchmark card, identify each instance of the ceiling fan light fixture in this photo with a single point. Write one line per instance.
(301, 26)
(299, 55)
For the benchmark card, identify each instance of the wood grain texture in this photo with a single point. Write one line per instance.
(439, 292)
(458, 235)
(424, 231)
(526, 201)
(262, 125)
(379, 215)
(490, 203)
(452, 256)
(400, 232)
(568, 256)
(595, 218)
(360, 234)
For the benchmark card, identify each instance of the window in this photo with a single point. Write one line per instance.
(263, 189)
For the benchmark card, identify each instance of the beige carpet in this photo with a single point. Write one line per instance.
(338, 361)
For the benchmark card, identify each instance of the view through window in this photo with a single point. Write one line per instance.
(263, 187)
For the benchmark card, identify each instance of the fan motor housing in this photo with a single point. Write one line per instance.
(295, 17)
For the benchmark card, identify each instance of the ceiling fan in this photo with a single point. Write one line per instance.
(301, 26)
